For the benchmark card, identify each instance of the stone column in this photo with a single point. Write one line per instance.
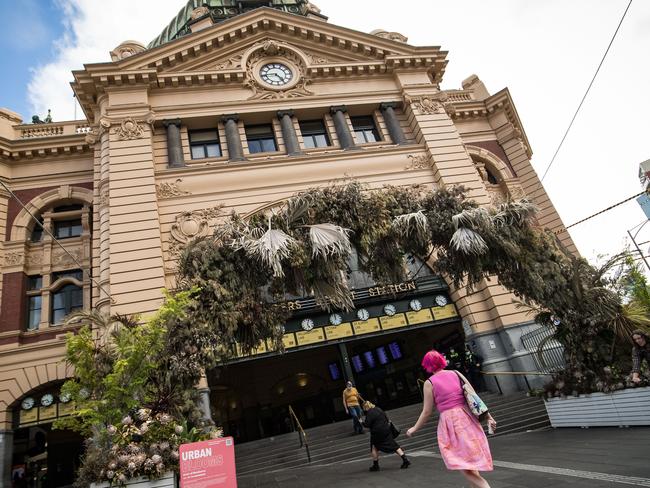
(6, 456)
(346, 139)
(289, 132)
(233, 141)
(174, 144)
(392, 124)
(203, 402)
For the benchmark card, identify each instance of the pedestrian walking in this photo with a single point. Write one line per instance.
(461, 439)
(352, 403)
(382, 435)
(640, 351)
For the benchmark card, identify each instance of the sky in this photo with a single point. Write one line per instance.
(544, 52)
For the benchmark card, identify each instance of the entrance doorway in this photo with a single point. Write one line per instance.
(45, 458)
(251, 399)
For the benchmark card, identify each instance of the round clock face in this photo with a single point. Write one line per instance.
(47, 400)
(276, 74)
(390, 309)
(441, 300)
(336, 319)
(307, 324)
(362, 314)
(415, 305)
(27, 403)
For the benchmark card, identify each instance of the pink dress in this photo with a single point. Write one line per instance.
(461, 439)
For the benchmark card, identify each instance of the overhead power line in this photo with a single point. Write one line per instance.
(586, 92)
(602, 211)
(56, 241)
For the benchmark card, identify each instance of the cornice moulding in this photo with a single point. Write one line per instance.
(282, 160)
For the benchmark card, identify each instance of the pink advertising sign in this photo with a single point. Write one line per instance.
(208, 464)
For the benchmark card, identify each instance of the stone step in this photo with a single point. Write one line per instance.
(333, 442)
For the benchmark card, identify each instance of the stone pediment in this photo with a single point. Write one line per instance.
(217, 46)
(222, 53)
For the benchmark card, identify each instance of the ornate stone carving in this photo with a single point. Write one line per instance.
(393, 36)
(62, 258)
(231, 63)
(419, 161)
(199, 12)
(13, 258)
(431, 104)
(312, 8)
(190, 225)
(103, 196)
(126, 49)
(280, 52)
(315, 59)
(34, 259)
(169, 190)
(130, 129)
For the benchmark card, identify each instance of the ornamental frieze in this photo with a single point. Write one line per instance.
(170, 190)
(431, 104)
(419, 161)
(13, 258)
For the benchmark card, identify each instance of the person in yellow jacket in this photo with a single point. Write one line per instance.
(352, 403)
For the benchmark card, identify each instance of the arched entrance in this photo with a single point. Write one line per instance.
(378, 345)
(43, 457)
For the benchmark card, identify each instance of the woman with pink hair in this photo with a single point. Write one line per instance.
(461, 439)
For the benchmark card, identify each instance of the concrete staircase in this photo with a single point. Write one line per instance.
(335, 442)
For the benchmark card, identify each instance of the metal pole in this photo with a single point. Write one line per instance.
(639, 250)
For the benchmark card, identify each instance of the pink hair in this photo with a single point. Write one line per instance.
(433, 361)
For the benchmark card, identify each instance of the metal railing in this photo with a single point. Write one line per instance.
(550, 357)
(302, 435)
(525, 375)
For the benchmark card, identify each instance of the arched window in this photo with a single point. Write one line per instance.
(66, 300)
(490, 177)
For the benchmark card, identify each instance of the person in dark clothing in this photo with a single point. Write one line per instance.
(381, 436)
(640, 351)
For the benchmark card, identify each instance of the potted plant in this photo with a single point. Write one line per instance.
(134, 402)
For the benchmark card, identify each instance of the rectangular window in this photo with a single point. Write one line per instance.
(314, 134)
(260, 138)
(34, 283)
(205, 144)
(33, 312)
(365, 129)
(65, 301)
(64, 229)
(37, 232)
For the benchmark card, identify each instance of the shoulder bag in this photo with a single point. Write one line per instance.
(478, 408)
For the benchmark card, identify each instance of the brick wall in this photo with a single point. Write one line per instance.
(12, 317)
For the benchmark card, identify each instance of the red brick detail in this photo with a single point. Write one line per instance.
(26, 196)
(495, 148)
(14, 287)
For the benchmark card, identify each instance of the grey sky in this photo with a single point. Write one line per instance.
(545, 52)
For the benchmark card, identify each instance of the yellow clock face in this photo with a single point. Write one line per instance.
(276, 74)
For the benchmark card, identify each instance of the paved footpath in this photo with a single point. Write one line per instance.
(581, 458)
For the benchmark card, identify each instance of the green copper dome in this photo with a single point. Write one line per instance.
(221, 10)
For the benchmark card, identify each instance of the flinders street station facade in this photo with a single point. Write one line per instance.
(237, 105)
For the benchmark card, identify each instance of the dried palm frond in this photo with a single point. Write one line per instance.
(296, 208)
(473, 217)
(514, 213)
(329, 240)
(271, 249)
(333, 296)
(468, 242)
(411, 223)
